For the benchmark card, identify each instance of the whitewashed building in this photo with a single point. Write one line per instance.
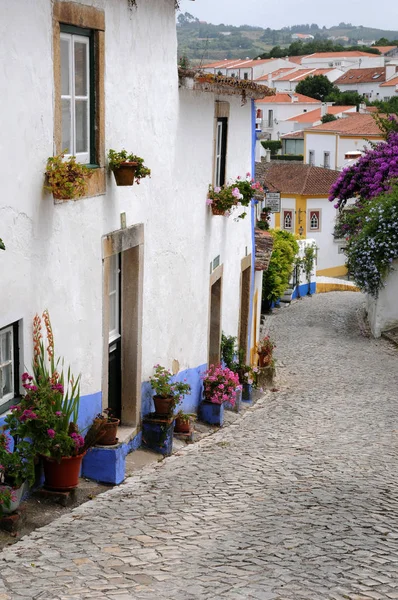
(131, 276)
(288, 81)
(347, 59)
(251, 69)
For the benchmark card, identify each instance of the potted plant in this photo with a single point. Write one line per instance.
(168, 393)
(265, 348)
(66, 179)
(109, 428)
(247, 188)
(222, 199)
(47, 414)
(17, 473)
(183, 422)
(127, 167)
(219, 386)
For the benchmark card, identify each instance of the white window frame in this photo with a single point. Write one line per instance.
(326, 160)
(114, 290)
(72, 38)
(311, 157)
(5, 363)
(219, 145)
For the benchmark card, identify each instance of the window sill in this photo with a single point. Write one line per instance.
(96, 185)
(5, 408)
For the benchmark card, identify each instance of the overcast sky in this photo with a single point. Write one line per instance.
(382, 14)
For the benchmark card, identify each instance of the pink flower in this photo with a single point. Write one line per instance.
(209, 201)
(248, 174)
(59, 413)
(78, 439)
(217, 190)
(25, 376)
(51, 433)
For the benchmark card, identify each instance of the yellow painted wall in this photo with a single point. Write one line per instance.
(333, 271)
(322, 288)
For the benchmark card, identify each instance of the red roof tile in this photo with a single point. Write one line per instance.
(344, 54)
(315, 115)
(390, 82)
(354, 76)
(296, 178)
(384, 49)
(287, 98)
(355, 124)
(300, 74)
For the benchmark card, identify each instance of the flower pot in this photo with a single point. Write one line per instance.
(247, 392)
(163, 406)
(124, 175)
(182, 425)
(264, 359)
(18, 494)
(217, 211)
(212, 413)
(157, 434)
(62, 476)
(109, 431)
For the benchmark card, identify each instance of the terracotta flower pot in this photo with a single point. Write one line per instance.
(109, 431)
(217, 211)
(62, 476)
(182, 425)
(264, 359)
(125, 174)
(163, 406)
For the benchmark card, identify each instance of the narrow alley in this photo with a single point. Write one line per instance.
(296, 500)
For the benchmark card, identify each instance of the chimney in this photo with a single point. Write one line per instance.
(390, 71)
(362, 108)
(324, 109)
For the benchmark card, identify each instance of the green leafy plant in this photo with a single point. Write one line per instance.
(66, 179)
(116, 160)
(186, 417)
(228, 349)
(163, 385)
(273, 145)
(16, 466)
(308, 261)
(328, 118)
(276, 278)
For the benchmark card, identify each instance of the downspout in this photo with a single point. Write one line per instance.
(253, 224)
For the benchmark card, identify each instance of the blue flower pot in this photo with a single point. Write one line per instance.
(212, 413)
(247, 392)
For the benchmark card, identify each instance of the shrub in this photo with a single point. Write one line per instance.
(273, 145)
(276, 278)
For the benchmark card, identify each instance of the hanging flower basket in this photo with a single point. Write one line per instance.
(218, 211)
(125, 174)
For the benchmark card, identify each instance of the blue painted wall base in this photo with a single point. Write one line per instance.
(238, 401)
(157, 435)
(302, 290)
(107, 464)
(212, 413)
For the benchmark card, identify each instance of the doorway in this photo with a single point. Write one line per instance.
(244, 310)
(115, 338)
(215, 317)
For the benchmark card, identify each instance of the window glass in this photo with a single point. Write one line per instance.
(65, 49)
(6, 365)
(66, 125)
(81, 126)
(288, 219)
(81, 68)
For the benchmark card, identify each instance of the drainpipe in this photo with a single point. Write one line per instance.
(253, 224)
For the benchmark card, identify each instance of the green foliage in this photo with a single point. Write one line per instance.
(308, 260)
(276, 278)
(389, 106)
(345, 98)
(66, 179)
(116, 159)
(16, 466)
(328, 118)
(163, 385)
(228, 349)
(299, 48)
(318, 87)
(273, 145)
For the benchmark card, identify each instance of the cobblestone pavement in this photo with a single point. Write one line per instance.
(296, 500)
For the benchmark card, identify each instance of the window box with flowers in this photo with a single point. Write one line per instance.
(223, 199)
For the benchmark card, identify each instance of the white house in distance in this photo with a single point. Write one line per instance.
(332, 144)
(131, 276)
(369, 83)
(248, 68)
(273, 111)
(389, 89)
(305, 208)
(348, 59)
(288, 81)
(314, 117)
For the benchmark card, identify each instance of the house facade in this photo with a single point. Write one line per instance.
(333, 144)
(289, 81)
(305, 209)
(248, 68)
(348, 59)
(131, 276)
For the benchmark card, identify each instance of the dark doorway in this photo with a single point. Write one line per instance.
(215, 323)
(244, 310)
(115, 338)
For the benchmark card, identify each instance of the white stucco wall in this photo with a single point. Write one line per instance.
(54, 252)
(371, 90)
(282, 112)
(328, 256)
(320, 143)
(383, 311)
(361, 62)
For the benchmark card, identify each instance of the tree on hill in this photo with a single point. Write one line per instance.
(385, 42)
(318, 87)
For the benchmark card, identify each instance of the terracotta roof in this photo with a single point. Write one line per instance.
(297, 135)
(384, 49)
(296, 178)
(221, 84)
(392, 81)
(275, 73)
(300, 74)
(221, 63)
(237, 63)
(315, 115)
(347, 54)
(355, 124)
(287, 98)
(296, 59)
(354, 76)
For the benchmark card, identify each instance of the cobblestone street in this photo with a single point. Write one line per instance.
(298, 499)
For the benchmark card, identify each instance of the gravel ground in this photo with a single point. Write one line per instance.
(296, 500)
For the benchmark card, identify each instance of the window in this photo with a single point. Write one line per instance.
(315, 220)
(326, 160)
(287, 219)
(9, 365)
(270, 118)
(77, 93)
(221, 150)
(245, 75)
(311, 157)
